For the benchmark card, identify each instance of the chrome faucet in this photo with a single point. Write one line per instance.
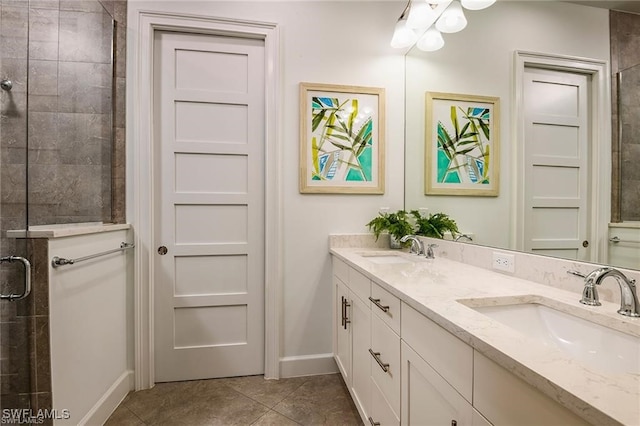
(416, 244)
(429, 253)
(629, 304)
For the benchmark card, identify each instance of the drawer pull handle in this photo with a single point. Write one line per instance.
(373, 423)
(376, 356)
(377, 303)
(345, 319)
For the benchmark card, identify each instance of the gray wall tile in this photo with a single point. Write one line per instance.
(43, 78)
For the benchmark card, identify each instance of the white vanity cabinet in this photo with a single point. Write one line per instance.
(366, 349)
(437, 374)
(402, 368)
(352, 335)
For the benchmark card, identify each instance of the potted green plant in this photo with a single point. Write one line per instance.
(396, 224)
(434, 225)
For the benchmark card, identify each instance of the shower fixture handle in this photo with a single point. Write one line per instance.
(27, 278)
(6, 84)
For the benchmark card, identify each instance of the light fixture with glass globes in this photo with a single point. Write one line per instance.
(430, 41)
(423, 21)
(403, 36)
(420, 15)
(452, 19)
(477, 4)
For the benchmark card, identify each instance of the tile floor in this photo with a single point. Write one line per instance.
(313, 400)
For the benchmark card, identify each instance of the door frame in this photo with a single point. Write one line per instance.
(142, 153)
(600, 131)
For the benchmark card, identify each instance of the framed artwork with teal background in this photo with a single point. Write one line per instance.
(342, 132)
(462, 145)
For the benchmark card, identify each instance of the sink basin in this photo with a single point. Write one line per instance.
(603, 348)
(385, 257)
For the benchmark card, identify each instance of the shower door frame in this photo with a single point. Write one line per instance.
(18, 298)
(141, 128)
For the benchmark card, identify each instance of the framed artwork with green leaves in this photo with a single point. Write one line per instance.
(462, 145)
(342, 133)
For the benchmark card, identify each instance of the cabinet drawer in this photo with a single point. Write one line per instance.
(340, 269)
(447, 354)
(386, 306)
(381, 411)
(359, 284)
(525, 405)
(427, 399)
(386, 343)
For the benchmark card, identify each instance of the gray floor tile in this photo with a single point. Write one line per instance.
(273, 418)
(195, 402)
(246, 401)
(123, 417)
(321, 400)
(267, 392)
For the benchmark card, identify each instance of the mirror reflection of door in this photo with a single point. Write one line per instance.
(556, 154)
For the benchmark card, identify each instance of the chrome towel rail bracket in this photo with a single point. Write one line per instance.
(61, 261)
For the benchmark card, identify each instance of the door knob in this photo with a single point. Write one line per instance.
(585, 244)
(162, 250)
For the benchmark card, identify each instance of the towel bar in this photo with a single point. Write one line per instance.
(61, 261)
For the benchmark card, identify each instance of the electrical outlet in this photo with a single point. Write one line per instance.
(424, 212)
(504, 262)
(383, 210)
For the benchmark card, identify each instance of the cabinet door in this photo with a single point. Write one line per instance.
(360, 314)
(342, 348)
(427, 399)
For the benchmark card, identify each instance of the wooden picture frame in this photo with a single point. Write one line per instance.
(462, 145)
(342, 139)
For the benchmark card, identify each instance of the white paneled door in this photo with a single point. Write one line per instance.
(556, 148)
(209, 206)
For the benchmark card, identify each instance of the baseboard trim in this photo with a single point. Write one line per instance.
(106, 405)
(307, 365)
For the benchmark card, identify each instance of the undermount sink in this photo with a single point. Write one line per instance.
(597, 346)
(385, 257)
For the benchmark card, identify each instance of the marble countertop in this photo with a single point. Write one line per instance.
(66, 230)
(436, 287)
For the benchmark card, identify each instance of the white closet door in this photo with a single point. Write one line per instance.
(556, 163)
(209, 175)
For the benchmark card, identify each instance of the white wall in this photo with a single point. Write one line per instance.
(479, 60)
(321, 42)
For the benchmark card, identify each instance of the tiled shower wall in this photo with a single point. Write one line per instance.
(76, 173)
(76, 149)
(70, 100)
(625, 57)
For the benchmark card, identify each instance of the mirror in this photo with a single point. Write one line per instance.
(480, 60)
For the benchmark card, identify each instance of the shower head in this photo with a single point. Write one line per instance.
(6, 84)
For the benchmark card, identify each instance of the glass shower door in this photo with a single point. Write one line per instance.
(17, 320)
(628, 139)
